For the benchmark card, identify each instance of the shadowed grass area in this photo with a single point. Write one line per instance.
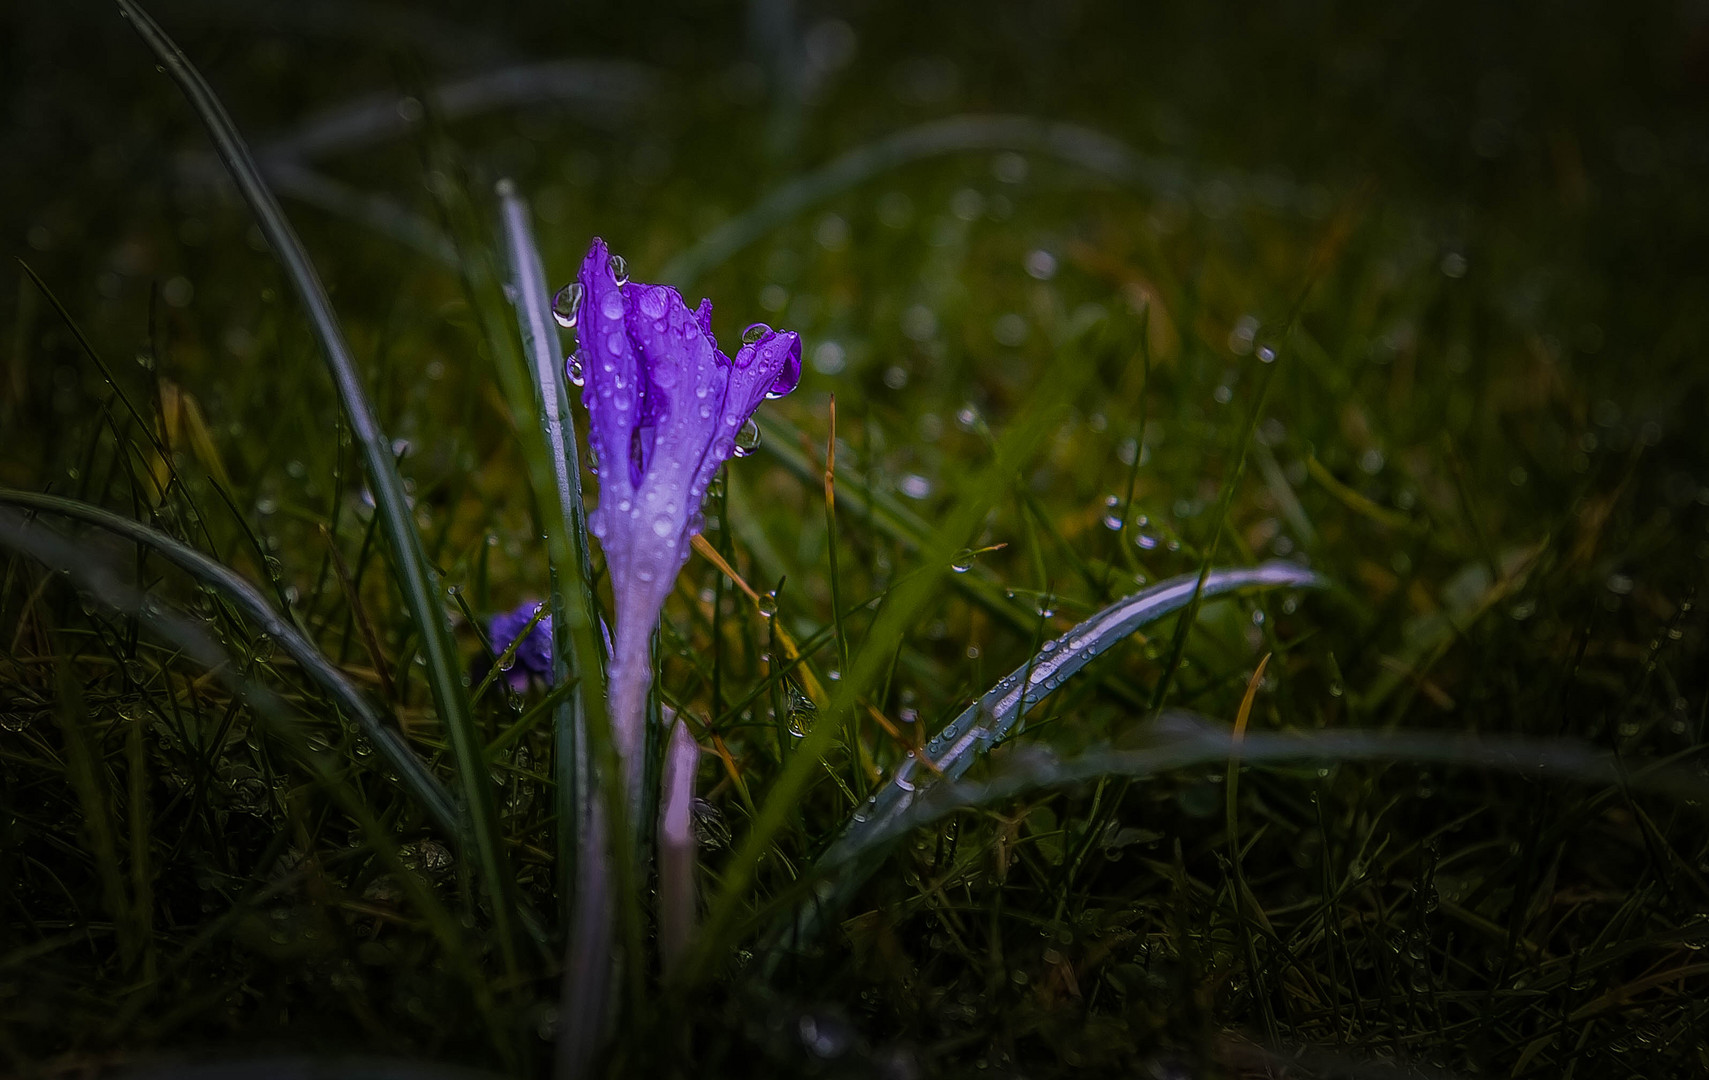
(1104, 297)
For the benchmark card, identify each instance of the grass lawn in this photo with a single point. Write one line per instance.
(1406, 305)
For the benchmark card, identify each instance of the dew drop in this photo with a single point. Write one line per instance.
(1144, 541)
(619, 270)
(755, 333)
(963, 561)
(573, 369)
(747, 439)
(566, 305)
(768, 604)
(914, 486)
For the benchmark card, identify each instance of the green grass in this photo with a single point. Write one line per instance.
(255, 802)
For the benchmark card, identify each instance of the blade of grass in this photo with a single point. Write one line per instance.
(575, 645)
(857, 770)
(591, 815)
(1183, 740)
(993, 717)
(858, 852)
(416, 577)
(84, 769)
(1072, 143)
(413, 776)
(142, 876)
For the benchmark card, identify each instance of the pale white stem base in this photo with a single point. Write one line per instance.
(676, 846)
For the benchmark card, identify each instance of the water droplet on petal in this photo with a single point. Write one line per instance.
(748, 439)
(619, 270)
(567, 304)
(755, 333)
(662, 526)
(573, 369)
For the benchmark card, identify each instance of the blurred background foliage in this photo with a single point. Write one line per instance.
(1485, 426)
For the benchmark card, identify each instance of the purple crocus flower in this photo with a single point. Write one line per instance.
(532, 661)
(665, 407)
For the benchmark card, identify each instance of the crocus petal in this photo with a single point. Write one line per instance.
(612, 371)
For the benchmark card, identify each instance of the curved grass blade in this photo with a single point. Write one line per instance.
(1082, 146)
(417, 579)
(377, 212)
(413, 775)
(993, 717)
(595, 881)
(1183, 740)
(575, 649)
(859, 851)
(614, 88)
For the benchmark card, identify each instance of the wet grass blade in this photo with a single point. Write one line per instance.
(987, 722)
(1184, 741)
(413, 776)
(575, 648)
(417, 579)
(1072, 143)
(993, 717)
(598, 881)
